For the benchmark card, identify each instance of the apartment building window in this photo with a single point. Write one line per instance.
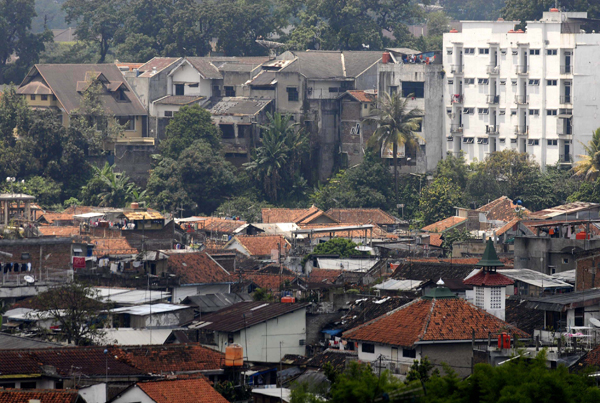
(229, 91)
(168, 114)
(449, 52)
(128, 122)
(469, 51)
(484, 51)
(469, 81)
(417, 88)
(534, 112)
(551, 52)
(32, 97)
(533, 142)
(502, 82)
(468, 111)
(534, 82)
(534, 52)
(334, 89)
(292, 94)
(502, 141)
(179, 89)
(484, 81)
(551, 83)
(216, 91)
(483, 111)
(551, 112)
(368, 348)
(552, 142)
(409, 353)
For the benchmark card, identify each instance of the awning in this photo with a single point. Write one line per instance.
(565, 116)
(332, 332)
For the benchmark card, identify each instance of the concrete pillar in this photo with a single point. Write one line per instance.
(235, 130)
(27, 210)
(6, 207)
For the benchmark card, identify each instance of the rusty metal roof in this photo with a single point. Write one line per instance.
(143, 215)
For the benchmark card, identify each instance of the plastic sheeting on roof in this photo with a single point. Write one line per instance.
(399, 285)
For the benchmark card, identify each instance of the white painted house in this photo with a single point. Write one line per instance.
(266, 331)
(533, 91)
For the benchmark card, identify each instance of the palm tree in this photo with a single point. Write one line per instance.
(117, 187)
(396, 126)
(281, 148)
(589, 164)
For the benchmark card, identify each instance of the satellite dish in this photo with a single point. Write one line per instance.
(29, 279)
(595, 322)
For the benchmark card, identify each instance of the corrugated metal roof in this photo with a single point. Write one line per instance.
(143, 310)
(135, 337)
(264, 78)
(245, 314)
(239, 106)
(143, 215)
(178, 100)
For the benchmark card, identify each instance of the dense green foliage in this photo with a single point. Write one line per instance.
(337, 246)
(191, 123)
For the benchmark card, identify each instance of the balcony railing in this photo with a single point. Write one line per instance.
(521, 99)
(522, 69)
(492, 129)
(521, 130)
(456, 69)
(456, 128)
(566, 158)
(493, 99)
(565, 99)
(457, 98)
(491, 69)
(566, 69)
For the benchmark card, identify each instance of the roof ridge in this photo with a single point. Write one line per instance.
(426, 325)
(381, 316)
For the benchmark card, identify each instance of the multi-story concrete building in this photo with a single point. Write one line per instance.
(533, 91)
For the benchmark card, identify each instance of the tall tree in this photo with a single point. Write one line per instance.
(276, 163)
(97, 21)
(108, 188)
(397, 125)
(190, 124)
(17, 38)
(79, 310)
(438, 200)
(588, 167)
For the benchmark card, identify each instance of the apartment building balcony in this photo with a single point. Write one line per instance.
(492, 69)
(565, 99)
(521, 99)
(457, 99)
(457, 68)
(522, 69)
(521, 130)
(565, 159)
(456, 128)
(566, 69)
(493, 99)
(492, 129)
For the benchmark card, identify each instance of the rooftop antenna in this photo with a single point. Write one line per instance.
(272, 46)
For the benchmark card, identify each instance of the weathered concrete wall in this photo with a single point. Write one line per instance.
(135, 160)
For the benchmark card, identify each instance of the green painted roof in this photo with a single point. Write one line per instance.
(440, 293)
(490, 258)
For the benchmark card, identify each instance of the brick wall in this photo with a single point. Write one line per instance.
(586, 273)
(55, 253)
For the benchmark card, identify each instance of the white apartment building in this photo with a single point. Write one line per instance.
(534, 91)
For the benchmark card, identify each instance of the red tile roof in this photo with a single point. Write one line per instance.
(219, 225)
(431, 320)
(266, 281)
(52, 217)
(262, 245)
(196, 390)
(435, 239)
(508, 226)
(112, 246)
(501, 209)
(298, 216)
(171, 358)
(363, 96)
(490, 279)
(445, 224)
(52, 230)
(320, 276)
(90, 361)
(43, 395)
(362, 216)
(196, 268)
(378, 232)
